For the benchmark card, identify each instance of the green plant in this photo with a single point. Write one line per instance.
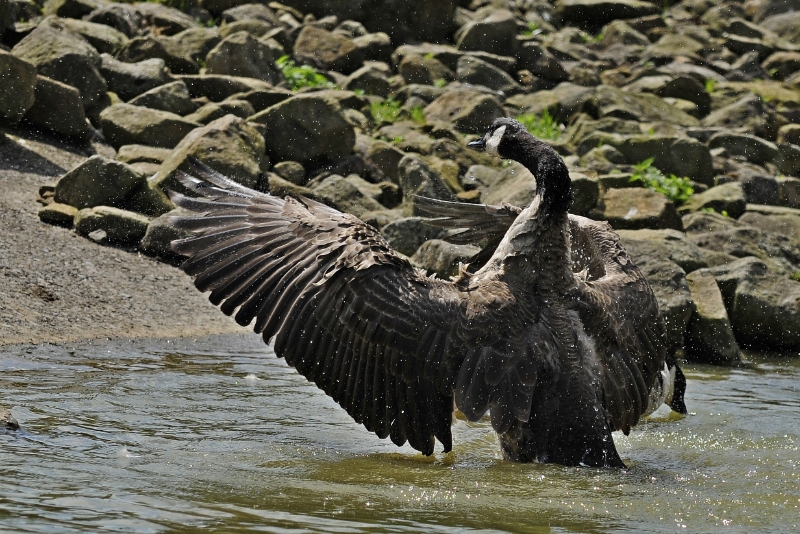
(417, 114)
(301, 76)
(589, 39)
(210, 23)
(429, 55)
(439, 82)
(385, 110)
(710, 85)
(543, 126)
(532, 30)
(675, 188)
(773, 72)
(795, 276)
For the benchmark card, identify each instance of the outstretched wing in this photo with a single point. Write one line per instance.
(619, 307)
(390, 345)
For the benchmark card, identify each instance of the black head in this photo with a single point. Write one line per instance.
(505, 138)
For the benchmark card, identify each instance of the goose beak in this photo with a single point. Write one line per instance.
(478, 144)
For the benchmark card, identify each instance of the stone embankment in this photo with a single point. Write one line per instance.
(680, 126)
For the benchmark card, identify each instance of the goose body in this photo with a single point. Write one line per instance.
(556, 334)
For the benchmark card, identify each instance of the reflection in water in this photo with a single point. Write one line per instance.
(217, 433)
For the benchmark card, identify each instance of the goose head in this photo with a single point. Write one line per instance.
(506, 138)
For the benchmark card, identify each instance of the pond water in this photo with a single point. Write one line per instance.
(217, 433)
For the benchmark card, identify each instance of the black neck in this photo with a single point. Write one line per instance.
(552, 177)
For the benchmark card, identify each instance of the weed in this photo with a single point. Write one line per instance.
(429, 55)
(543, 127)
(588, 39)
(417, 114)
(385, 110)
(795, 276)
(533, 29)
(301, 76)
(711, 84)
(677, 189)
(439, 82)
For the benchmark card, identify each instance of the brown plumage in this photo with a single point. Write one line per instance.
(559, 360)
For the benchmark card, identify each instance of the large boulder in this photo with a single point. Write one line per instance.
(241, 54)
(634, 208)
(608, 101)
(126, 124)
(424, 70)
(778, 220)
(755, 149)
(161, 47)
(18, 80)
(104, 38)
(128, 80)
(75, 9)
(65, 56)
(666, 245)
(164, 20)
(58, 109)
(327, 50)
(98, 181)
(709, 335)
(479, 72)
(469, 111)
(107, 224)
(121, 17)
(196, 43)
(780, 252)
(408, 234)
(218, 87)
(351, 194)
(728, 198)
(540, 62)
(385, 157)
(495, 33)
(306, 128)
(216, 110)
(173, 97)
(159, 236)
(230, 145)
(416, 177)
(672, 293)
(561, 102)
(599, 12)
(442, 258)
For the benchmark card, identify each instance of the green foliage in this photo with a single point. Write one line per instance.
(301, 76)
(439, 82)
(429, 55)
(589, 39)
(212, 22)
(710, 85)
(677, 189)
(795, 276)
(417, 114)
(543, 127)
(533, 29)
(385, 110)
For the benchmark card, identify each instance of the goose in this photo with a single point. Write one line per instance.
(558, 359)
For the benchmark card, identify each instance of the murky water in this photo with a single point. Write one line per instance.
(219, 434)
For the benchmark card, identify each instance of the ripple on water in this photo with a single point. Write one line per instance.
(218, 433)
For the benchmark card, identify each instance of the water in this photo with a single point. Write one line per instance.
(217, 433)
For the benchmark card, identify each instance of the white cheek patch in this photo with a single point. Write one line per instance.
(494, 141)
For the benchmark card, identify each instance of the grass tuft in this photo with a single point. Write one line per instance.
(675, 188)
(301, 76)
(385, 110)
(543, 127)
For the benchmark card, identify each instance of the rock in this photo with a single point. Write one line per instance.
(385, 157)
(600, 12)
(561, 102)
(58, 214)
(229, 145)
(151, 46)
(782, 64)
(381, 218)
(407, 138)
(327, 51)
(442, 258)
(424, 70)
(709, 335)
(104, 38)
(64, 56)
(213, 111)
(119, 227)
(620, 32)
(785, 221)
(160, 234)
(351, 195)
(408, 234)
(665, 245)
(753, 148)
(196, 43)
(128, 80)
(416, 177)
(74, 9)
(781, 253)
(240, 54)
(218, 87)
(18, 80)
(142, 154)
(515, 185)
(469, 111)
(674, 298)
(147, 198)
(788, 159)
(680, 87)
(98, 181)
(478, 72)
(261, 99)
(789, 133)
(786, 25)
(306, 128)
(728, 198)
(173, 97)
(585, 193)
(121, 17)
(58, 108)
(164, 20)
(633, 208)
(746, 113)
(609, 101)
(374, 46)
(760, 189)
(370, 80)
(251, 12)
(540, 62)
(125, 124)
(495, 34)
(679, 155)
(704, 221)
(291, 171)
(790, 192)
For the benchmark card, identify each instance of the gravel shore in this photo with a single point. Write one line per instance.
(58, 287)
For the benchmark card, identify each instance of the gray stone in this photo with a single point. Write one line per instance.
(173, 97)
(229, 145)
(746, 113)
(350, 194)
(786, 25)
(159, 236)
(416, 177)
(291, 171)
(251, 11)
(407, 138)
(785, 221)
(58, 214)
(515, 185)
(122, 17)
(424, 70)
(788, 159)
(104, 38)
(442, 258)
(241, 54)
(674, 298)
(478, 72)
(327, 51)
(261, 99)
(561, 102)
(790, 192)
(665, 245)
(128, 80)
(64, 56)
(381, 218)
(97, 181)
(164, 20)
(469, 111)
(676, 87)
(729, 198)
(495, 34)
(213, 111)
(196, 43)
(609, 101)
(408, 234)
(147, 198)
(119, 227)
(709, 335)
(218, 87)
(142, 154)
(600, 12)
(374, 46)
(760, 189)
(70, 8)
(634, 208)
(385, 157)
(306, 128)
(789, 133)
(125, 124)
(620, 32)
(780, 252)
(151, 46)
(698, 222)
(540, 62)
(58, 109)
(782, 64)
(753, 148)
(18, 80)
(585, 193)
(370, 80)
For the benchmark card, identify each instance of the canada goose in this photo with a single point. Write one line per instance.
(559, 360)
